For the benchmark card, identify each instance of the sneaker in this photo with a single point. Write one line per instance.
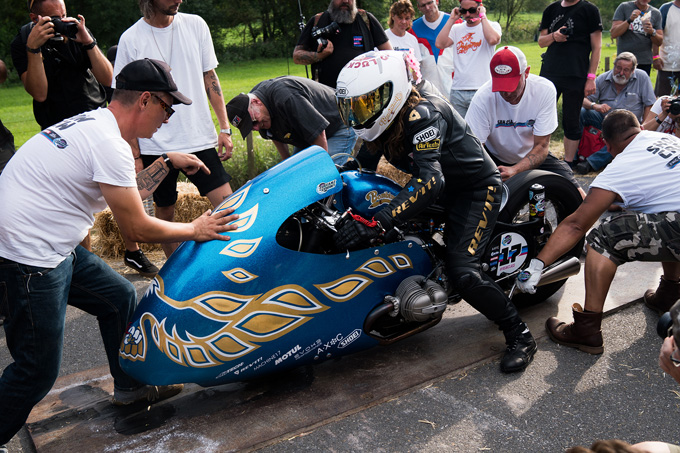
(139, 262)
(519, 353)
(146, 393)
(583, 168)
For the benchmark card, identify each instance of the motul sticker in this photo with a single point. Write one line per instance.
(426, 135)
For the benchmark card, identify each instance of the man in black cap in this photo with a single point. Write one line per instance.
(89, 164)
(292, 111)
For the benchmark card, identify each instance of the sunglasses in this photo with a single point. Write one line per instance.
(168, 110)
(469, 10)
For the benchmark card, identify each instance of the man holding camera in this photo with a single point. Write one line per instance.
(328, 47)
(642, 179)
(59, 63)
(572, 32)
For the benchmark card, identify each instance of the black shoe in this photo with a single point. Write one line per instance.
(139, 262)
(583, 168)
(519, 353)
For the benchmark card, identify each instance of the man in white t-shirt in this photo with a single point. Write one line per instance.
(514, 114)
(642, 178)
(400, 21)
(437, 64)
(49, 192)
(183, 41)
(474, 42)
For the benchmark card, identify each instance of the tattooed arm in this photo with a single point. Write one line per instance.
(532, 160)
(216, 99)
(149, 178)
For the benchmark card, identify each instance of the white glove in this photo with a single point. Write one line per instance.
(529, 277)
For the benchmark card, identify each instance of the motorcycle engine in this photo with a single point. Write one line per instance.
(421, 299)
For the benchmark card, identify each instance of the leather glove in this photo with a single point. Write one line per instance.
(357, 232)
(529, 277)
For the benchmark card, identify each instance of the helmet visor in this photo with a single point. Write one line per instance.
(362, 111)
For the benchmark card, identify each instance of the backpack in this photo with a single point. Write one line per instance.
(591, 142)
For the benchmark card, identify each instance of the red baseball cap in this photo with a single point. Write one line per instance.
(507, 66)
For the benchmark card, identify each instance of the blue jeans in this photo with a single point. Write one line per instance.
(601, 158)
(342, 141)
(34, 300)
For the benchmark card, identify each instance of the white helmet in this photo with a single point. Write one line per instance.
(370, 91)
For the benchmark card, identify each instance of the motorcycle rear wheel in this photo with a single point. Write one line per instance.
(562, 198)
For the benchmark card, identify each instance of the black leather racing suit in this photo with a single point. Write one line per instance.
(449, 164)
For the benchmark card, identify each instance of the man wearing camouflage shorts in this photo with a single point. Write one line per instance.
(644, 181)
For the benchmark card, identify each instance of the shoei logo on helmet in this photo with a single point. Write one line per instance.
(502, 69)
(425, 136)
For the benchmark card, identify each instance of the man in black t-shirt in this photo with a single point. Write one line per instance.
(294, 111)
(64, 76)
(572, 32)
(359, 32)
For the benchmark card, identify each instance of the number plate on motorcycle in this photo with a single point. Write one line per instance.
(508, 254)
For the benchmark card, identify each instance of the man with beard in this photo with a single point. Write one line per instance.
(624, 87)
(359, 32)
(182, 41)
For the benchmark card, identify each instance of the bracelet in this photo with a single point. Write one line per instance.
(91, 45)
(656, 57)
(482, 16)
(166, 159)
(657, 119)
(35, 51)
(591, 76)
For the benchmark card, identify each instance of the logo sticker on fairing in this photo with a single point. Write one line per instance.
(324, 187)
(426, 135)
(378, 199)
(511, 254)
(349, 339)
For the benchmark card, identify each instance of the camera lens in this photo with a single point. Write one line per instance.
(674, 108)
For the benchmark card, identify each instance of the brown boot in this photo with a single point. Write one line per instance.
(664, 297)
(584, 333)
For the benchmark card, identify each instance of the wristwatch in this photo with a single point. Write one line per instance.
(225, 131)
(658, 120)
(91, 45)
(166, 159)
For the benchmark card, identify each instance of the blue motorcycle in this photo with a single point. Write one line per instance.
(279, 294)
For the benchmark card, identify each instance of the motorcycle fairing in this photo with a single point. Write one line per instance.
(221, 312)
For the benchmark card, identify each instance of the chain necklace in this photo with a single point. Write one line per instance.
(172, 41)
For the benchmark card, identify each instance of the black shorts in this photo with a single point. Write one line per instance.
(166, 193)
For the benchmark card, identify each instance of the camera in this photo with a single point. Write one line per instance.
(674, 107)
(664, 327)
(322, 34)
(568, 31)
(61, 29)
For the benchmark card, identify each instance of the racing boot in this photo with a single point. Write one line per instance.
(664, 297)
(520, 350)
(584, 333)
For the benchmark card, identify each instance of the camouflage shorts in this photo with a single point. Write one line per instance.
(635, 236)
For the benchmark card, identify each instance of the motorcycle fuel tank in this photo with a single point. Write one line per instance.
(226, 311)
(366, 192)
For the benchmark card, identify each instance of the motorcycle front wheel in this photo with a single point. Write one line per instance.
(561, 199)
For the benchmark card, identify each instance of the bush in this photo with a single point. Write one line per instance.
(266, 156)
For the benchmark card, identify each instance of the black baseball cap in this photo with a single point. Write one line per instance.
(149, 75)
(237, 111)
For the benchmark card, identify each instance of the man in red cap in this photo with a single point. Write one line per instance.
(514, 114)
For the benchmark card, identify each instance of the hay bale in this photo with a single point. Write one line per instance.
(392, 172)
(107, 241)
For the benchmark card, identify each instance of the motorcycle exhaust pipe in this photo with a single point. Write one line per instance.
(560, 270)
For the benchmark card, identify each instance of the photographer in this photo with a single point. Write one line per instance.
(59, 63)
(359, 31)
(669, 356)
(664, 116)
